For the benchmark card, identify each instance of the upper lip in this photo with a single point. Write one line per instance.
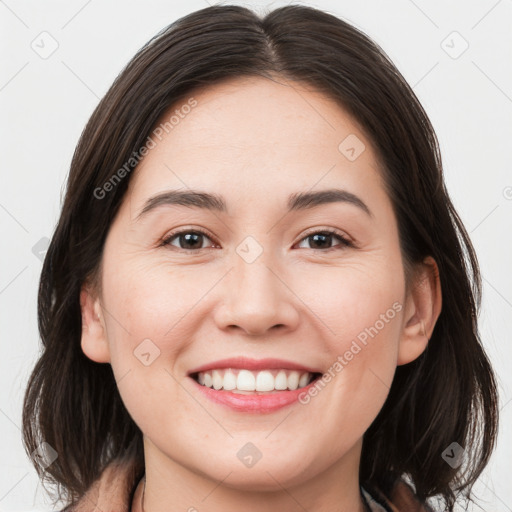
(253, 364)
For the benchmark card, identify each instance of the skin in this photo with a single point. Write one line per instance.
(255, 141)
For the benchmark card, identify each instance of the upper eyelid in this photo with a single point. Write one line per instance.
(332, 231)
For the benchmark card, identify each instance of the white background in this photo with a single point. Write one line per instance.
(45, 104)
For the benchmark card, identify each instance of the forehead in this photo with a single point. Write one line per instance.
(257, 134)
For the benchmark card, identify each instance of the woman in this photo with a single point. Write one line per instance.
(259, 295)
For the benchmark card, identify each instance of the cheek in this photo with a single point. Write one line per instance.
(360, 313)
(152, 301)
(149, 326)
(353, 300)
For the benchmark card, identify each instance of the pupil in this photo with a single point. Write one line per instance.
(189, 238)
(324, 237)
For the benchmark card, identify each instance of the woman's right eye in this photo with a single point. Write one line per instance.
(187, 239)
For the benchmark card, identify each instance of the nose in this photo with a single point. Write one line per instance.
(257, 299)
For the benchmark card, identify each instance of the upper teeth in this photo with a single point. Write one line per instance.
(245, 380)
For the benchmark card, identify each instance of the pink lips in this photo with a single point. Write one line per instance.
(253, 403)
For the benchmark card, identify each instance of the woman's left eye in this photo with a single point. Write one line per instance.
(193, 239)
(325, 237)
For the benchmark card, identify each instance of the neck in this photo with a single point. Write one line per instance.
(167, 482)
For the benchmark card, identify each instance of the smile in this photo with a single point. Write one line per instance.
(245, 381)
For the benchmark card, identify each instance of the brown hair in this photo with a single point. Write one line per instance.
(447, 395)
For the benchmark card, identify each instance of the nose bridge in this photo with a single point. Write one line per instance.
(256, 299)
(254, 280)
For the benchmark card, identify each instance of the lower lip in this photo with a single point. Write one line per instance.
(254, 403)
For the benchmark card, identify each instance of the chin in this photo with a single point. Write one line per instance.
(263, 476)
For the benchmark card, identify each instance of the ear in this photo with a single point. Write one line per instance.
(94, 335)
(423, 306)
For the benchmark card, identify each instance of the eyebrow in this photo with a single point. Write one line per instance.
(215, 202)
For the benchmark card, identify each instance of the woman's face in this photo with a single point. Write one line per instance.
(264, 282)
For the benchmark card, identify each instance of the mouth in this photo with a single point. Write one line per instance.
(249, 382)
(246, 385)
(250, 398)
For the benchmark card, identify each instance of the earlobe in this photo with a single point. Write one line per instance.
(94, 340)
(421, 313)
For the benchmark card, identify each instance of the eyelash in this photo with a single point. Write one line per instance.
(344, 241)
